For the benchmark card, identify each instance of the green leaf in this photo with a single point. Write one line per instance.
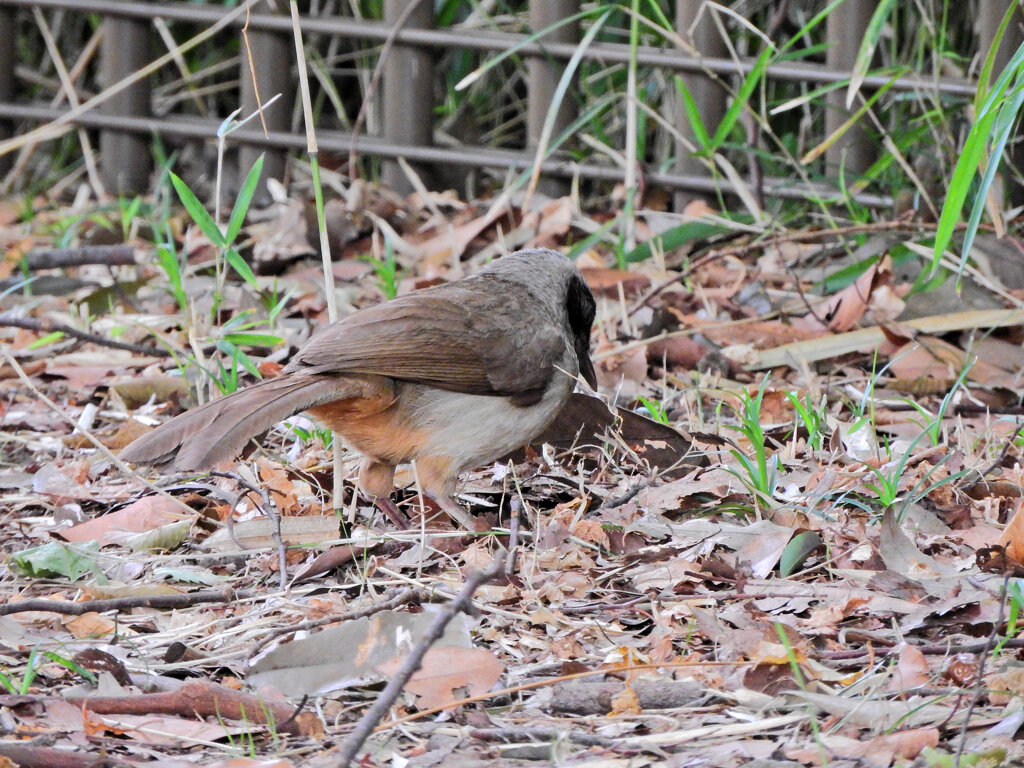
(246, 339)
(1005, 121)
(742, 98)
(986, 69)
(592, 239)
(971, 156)
(49, 338)
(700, 133)
(241, 267)
(56, 559)
(480, 71)
(676, 237)
(198, 213)
(798, 549)
(169, 262)
(811, 24)
(71, 665)
(243, 200)
(867, 48)
(239, 358)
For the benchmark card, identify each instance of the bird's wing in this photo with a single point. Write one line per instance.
(479, 336)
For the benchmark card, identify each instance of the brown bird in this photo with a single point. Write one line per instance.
(452, 377)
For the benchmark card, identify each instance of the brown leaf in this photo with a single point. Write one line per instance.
(911, 670)
(146, 514)
(1012, 536)
(606, 282)
(449, 674)
(844, 309)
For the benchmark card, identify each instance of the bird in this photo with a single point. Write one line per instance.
(451, 377)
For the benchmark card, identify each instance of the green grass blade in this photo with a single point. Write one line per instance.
(742, 97)
(960, 184)
(867, 48)
(592, 239)
(1003, 126)
(240, 266)
(700, 133)
(488, 65)
(675, 238)
(243, 200)
(811, 25)
(560, 90)
(247, 339)
(990, 59)
(198, 213)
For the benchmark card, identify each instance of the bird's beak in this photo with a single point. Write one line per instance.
(586, 365)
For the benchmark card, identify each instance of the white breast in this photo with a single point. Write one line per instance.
(477, 429)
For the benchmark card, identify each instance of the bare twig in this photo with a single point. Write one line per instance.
(45, 326)
(629, 495)
(67, 608)
(198, 697)
(979, 686)
(462, 603)
(407, 596)
(998, 460)
(269, 509)
(542, 735)
(58, 258)
(378, 72)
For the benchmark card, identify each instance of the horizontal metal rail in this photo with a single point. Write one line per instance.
(340, 142)
(487, 40)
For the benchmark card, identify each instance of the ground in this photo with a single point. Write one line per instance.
(800, 547)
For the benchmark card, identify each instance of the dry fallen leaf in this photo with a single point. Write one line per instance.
(449, 674)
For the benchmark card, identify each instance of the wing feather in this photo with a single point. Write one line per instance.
(461, 337)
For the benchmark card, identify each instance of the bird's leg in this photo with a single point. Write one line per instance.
(454, 510)
(392, 512)
(377, 479)
(437, 479)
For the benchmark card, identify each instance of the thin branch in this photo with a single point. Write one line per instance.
(45, 326)
(462, 603)
(58, 258)
(406, 596)
(67, 608)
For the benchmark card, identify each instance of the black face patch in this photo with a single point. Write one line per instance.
(580, 309)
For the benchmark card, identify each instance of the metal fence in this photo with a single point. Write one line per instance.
(122, 112)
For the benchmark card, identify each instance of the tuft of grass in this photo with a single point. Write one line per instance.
(655, 409)
(386, 270)
(761, 471)
(35, 660)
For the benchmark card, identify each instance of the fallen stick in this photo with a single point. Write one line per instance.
(68, 608)
(58, 258)
(205, 699)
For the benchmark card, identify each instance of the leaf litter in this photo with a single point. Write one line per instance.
(829, 578)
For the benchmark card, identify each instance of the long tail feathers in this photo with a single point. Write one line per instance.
(218, 431)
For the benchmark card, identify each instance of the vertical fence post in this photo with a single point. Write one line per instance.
(544, 74)
(271, 65)
(708, 95)
(7, 59)
(125, 158)
(847, 24)
(990, 14)
(408, 90)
